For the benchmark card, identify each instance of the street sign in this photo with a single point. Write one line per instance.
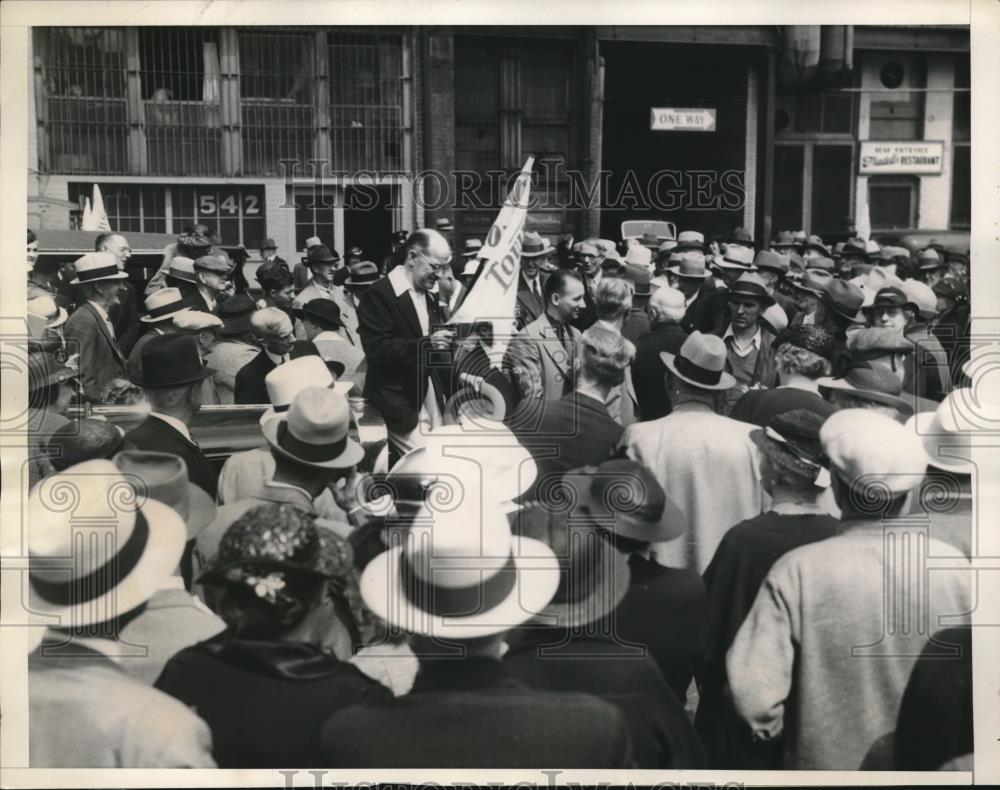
(682, 119)
(889, 156)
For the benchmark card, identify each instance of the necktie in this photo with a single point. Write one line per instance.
(534, 288)
(567, 344)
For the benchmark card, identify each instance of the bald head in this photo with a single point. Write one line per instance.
(666, 304)
(427, 253)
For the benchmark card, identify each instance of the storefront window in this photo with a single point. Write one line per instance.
(892, 202)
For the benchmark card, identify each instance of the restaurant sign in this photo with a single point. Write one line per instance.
(681, 119)
(879, 157)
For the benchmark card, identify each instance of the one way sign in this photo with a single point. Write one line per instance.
(682, 119)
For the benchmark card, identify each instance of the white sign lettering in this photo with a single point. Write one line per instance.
(682, 119)
(882, 156)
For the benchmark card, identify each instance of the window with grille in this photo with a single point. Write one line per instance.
(277, 82)
(314, 215)
(961, 170)
(366, 101)
(181, 86)
(135, 208)
(892, 202)
(83, 97)
(477, 105)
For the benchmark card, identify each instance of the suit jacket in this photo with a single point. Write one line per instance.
(559, 660)
(101, 359)
(155, 434)
(173, 620)
(227, 358)
(588, 313)
(665, 609)
(471, 713)
(87, 713)
(193, 298)
(708, 313)
(648, 370)
(540, 368)
(249, 386)
(265, 701)
(529, 306)
(125, 318)
(398, 354)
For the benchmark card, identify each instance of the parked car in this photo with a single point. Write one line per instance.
(915, 240)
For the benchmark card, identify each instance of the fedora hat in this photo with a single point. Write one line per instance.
(891, 253)
(813, 282)
(784, 240)
(46, 309)
(182, 268)
(625, 498)
(870, 449)
(235, 313)
(690, 265)
(947, 434)
(400, 236)
(701, 362)
(96, 267)
(593, 575)
(363, 274)
(443, 225)
(613, 267)
(105, 554)
(46, 368)
(163, 477)
(922, 297)
(736, 257)
(535, 246)
(639, 255)
(314, 430)
(650, 240)
(171, 361)
(929, 260)
(325, 310)
(888, 296)
(845, 299)
(791, 441)
(162, 305)
(869, 383)
(774, 318)
(814, 242)
(312, 241)
(288, 380)
(819, 263)
(771, 260)
(853, 247)
(751, 285)
(460, 574)
(690, 240)
(272, 541)
(267, 244)
(84, 440)
(320, 253)
(471, 248)
(740, 237)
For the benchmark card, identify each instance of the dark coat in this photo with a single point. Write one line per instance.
(708, 313)
(529, 307)
(264, 701)
(666, 610)
(580, 431)
(648, 370)
(193, 298)
(125, 318)
(397, 353)
(662, 735)
(472, 713)
(760, 406)
(101, 359)
(156, 435)
(250, 386)
(588, 312)
(635, 325)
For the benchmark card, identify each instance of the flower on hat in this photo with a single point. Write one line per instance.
(267, 587)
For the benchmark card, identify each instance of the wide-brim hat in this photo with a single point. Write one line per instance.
(811, 283)
(844, 384)
(515, 592)
(340, 387)
(363, 274)
(691, 364)
(844, 299)
(472, 248)
(690, 240)
(95, 267)
(52, 314)
(320, 253)
(815, 243)
(534, 246)
(164, 311)
(171, 361)
(752, 286)
(144, 556)
(317, 413)
(941, 444)
(740, 236)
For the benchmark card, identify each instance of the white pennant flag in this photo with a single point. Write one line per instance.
(100, 216)
(492, 295)
(87, 218)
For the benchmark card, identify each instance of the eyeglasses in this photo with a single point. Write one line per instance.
(433, 263)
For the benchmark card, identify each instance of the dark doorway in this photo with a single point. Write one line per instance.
(639, 77)
(368, 221)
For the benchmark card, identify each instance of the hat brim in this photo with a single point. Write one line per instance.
(722, 263)
(235, 326)
(798, 286)
(165, 317)
(671, 523)
(726, 380)
(763, 298)
(205, 373)
(601, 599)
(61, 317)
(543, 251)
(675, 270)
(118, 276)
(536, 583)
(301, 313)
(884, 398)
(359, 283)
(201, 511)
(159, 561)
(351, 455)
(923, 424)
(858, 318)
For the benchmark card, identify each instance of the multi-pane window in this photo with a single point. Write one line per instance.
(366, 101)
(84, 109)
(277, 82)
(314, 215)
(546, 78)
(130, 207)
(477, 105)
(892, 202)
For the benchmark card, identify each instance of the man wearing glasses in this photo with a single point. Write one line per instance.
(408, 361)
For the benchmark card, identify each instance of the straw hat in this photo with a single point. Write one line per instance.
(701, 362)
(314, 430)
(96, 267)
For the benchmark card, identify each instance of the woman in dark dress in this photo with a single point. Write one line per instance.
(268, 682)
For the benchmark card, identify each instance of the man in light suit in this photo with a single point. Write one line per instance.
(531, 281)
(541, 357)
(89, 330)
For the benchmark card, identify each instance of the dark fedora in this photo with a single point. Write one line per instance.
(845, 299)
(171, 361)
(321, 254)
(362, 274)
(268, 244)
(84, 440)
(890, 297)
(235, 313)
(325, 311)
(751, 285)
(650, 240)
(742, 237)
(814, 242)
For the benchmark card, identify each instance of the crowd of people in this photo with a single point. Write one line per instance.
(662, 524)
